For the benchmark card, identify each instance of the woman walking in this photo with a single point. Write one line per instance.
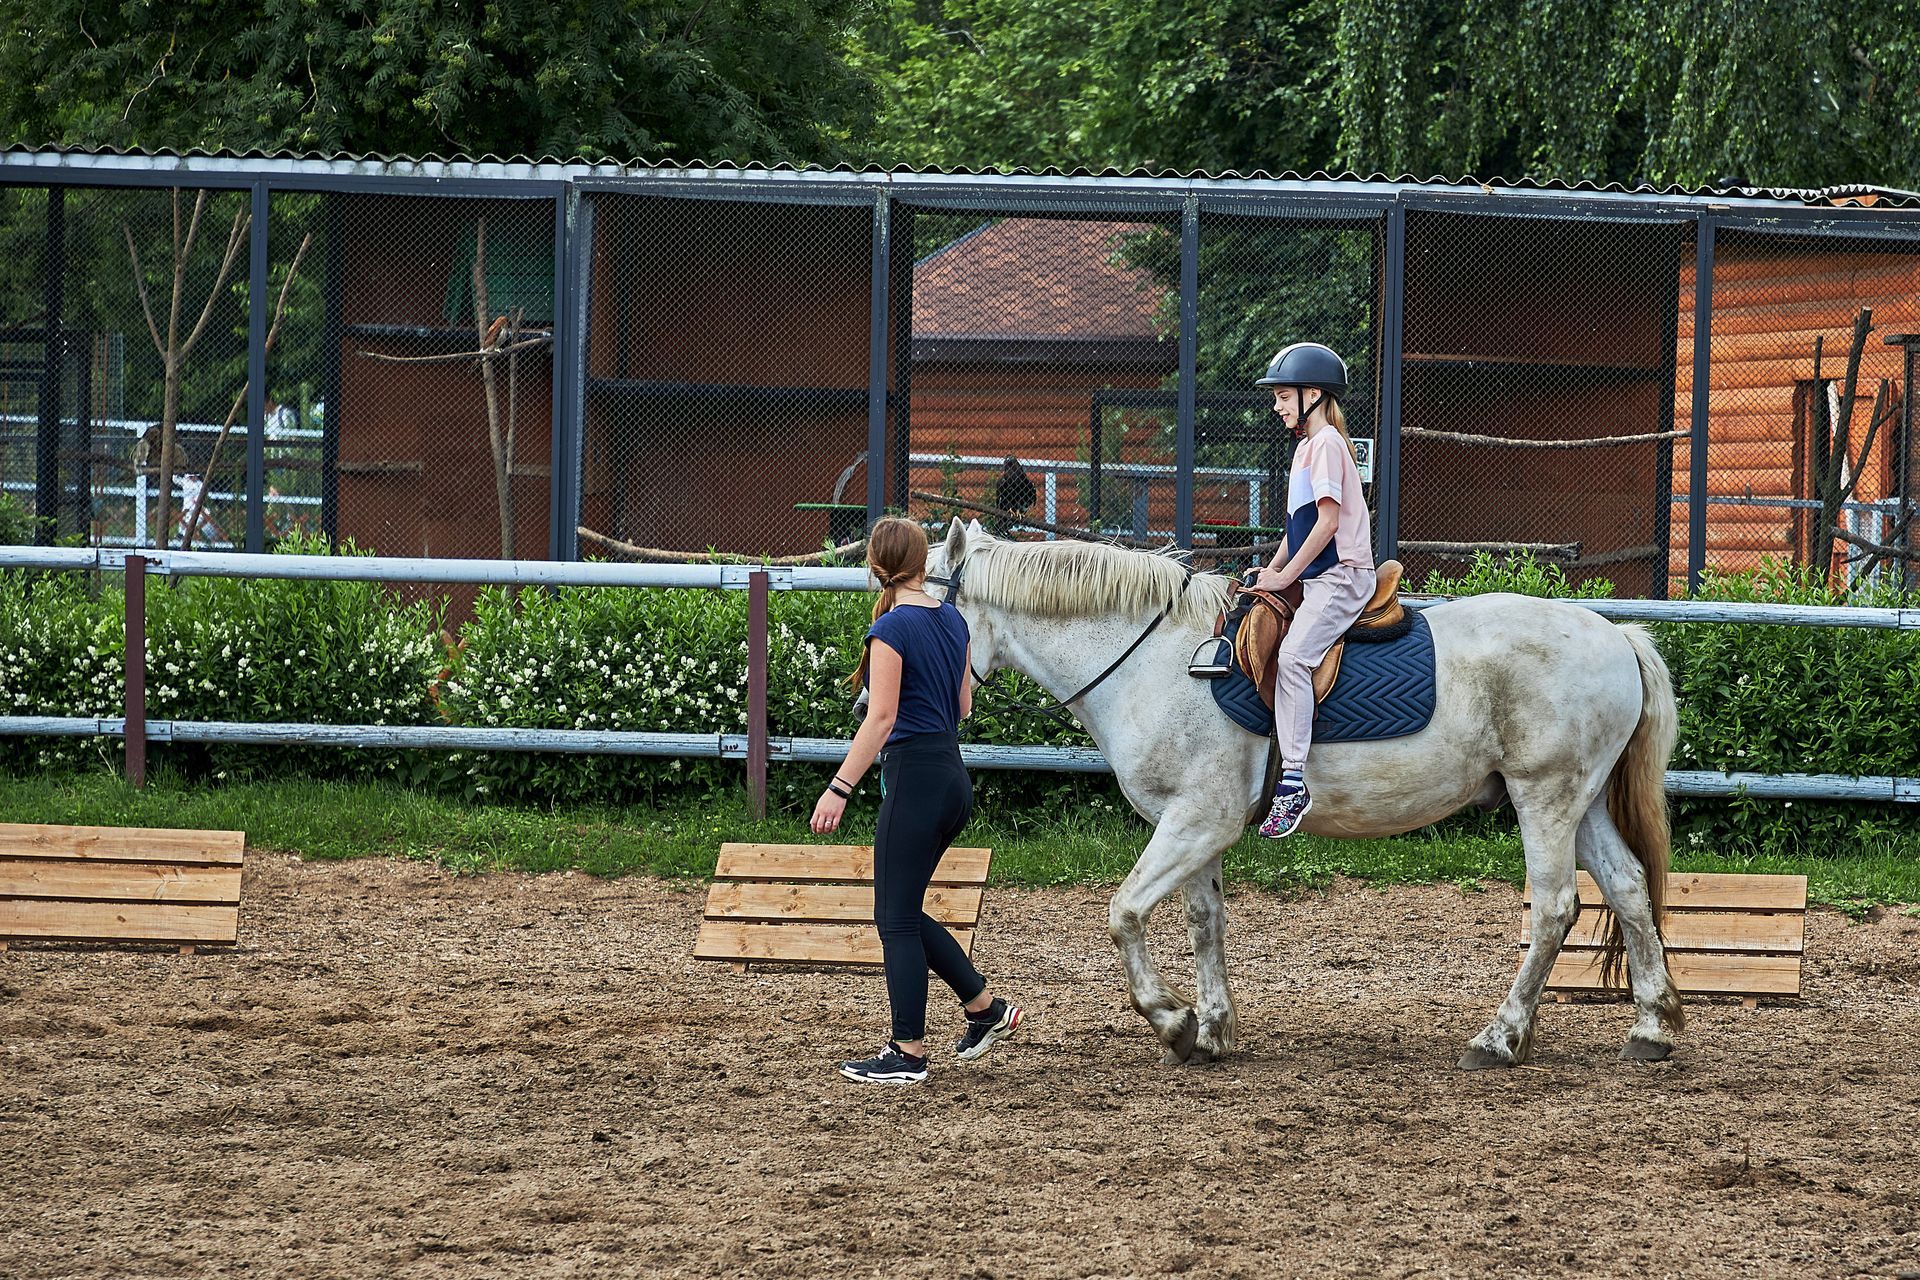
(1328, 551)
(915, 665)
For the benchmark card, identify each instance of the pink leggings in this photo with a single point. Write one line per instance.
(1333, 602)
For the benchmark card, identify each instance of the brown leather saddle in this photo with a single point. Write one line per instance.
(1265, 616)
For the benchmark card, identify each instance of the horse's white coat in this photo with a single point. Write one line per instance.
(1537, 701)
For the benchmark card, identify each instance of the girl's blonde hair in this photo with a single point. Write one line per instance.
(896, 555)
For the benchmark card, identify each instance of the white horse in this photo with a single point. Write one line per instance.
(1539, 702)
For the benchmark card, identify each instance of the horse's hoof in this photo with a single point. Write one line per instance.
(1478, 1059)
(1646, 1051)
(1181, 1046)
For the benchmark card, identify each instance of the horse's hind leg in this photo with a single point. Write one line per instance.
(1182, 846)
(1207, 926)
(1547, 826)
(1624, 883)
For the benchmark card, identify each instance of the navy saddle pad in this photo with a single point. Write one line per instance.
(1384, 691)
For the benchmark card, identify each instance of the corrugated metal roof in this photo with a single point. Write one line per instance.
(552, 168)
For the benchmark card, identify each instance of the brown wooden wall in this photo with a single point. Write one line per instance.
(727, 362)
(1544, 330)
(416, 464)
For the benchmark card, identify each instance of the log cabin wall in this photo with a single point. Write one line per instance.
(727, 371)
(1019, 325)
(1773, 297)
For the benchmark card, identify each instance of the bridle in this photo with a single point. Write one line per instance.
(1058, 711)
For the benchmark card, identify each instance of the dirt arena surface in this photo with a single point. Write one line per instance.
(406, 1073)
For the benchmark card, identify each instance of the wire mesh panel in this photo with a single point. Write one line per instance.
(436, 429)
(32, 373)
(1797, 472)
(1041, 371)
(128, 330)
(1538, 407)
(726, 376)
(1265, 283)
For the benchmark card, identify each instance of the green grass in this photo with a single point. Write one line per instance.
(350, 820)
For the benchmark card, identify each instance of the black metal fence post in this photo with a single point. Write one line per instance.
(257, 305)
(1702, 378)
(47, 447)
(879, 316)
(1189, 371)
(1386, 462)
(573, 270)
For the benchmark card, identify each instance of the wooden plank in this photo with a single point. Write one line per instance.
(126, 844)
(829, 903)
(749, 943)
(1781, 932)
(1694, 972)
(1710, 891)
(799, 862)
(117, 922)
(118, 881)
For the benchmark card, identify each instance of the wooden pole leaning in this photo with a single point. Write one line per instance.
(757, 695)
(136, 729)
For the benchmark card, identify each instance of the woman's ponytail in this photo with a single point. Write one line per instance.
(896, 553)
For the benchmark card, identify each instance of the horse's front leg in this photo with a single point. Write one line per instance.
(1548, 820)
(1207, 926)
(1182, 846)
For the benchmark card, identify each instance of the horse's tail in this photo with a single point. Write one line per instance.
(1637, 792)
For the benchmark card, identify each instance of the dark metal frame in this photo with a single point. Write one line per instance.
(894, 198)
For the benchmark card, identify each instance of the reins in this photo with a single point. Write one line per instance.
(1058, 711)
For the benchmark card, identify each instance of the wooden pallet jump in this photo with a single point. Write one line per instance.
(1726, 935)
(813, 904)
(120, 884)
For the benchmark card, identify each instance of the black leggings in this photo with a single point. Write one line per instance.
(929, 799)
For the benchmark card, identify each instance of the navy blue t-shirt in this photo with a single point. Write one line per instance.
(932, 644)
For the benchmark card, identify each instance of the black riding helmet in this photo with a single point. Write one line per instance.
(1311, 365)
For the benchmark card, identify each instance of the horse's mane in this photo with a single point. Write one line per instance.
(1071, 579)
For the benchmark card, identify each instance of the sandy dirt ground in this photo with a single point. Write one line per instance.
(404, 1073)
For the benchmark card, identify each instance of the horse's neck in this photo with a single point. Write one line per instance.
(1063, 655)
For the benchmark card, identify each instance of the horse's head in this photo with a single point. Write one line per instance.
(947, 565)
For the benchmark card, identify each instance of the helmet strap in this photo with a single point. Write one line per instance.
(1306, 411)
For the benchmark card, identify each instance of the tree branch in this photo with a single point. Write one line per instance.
(146, 304)
(235, 238)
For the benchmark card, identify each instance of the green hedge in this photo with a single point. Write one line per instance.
(1769, 699)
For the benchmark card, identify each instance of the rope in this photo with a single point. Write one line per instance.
(657, 555)
(1462, 437)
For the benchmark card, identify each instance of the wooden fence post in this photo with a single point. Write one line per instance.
(757, 694)
(136, 732)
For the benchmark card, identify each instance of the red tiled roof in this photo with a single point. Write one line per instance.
(1035, 278)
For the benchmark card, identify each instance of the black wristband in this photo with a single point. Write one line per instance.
(844, 795)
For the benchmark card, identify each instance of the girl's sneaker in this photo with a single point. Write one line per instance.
(889, 1066)
(987, 1028)
(1289, 809)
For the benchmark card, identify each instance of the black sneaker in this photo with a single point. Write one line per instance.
(996, 1023)
(890, 1066)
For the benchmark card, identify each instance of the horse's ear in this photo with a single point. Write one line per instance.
(956, 545)
(976, 528)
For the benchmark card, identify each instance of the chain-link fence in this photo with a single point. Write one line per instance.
(651, 365)
(1538, 363)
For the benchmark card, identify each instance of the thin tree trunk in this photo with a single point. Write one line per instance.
(503, 492)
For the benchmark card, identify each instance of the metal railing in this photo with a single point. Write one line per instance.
(756, 746)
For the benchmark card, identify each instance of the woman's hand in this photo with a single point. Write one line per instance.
(1272, 579)
(827, 813)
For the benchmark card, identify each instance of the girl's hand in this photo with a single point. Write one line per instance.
(1273, 580)
(827, 813)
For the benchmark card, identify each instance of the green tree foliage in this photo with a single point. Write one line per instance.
(762, 80)
(1800, 92)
